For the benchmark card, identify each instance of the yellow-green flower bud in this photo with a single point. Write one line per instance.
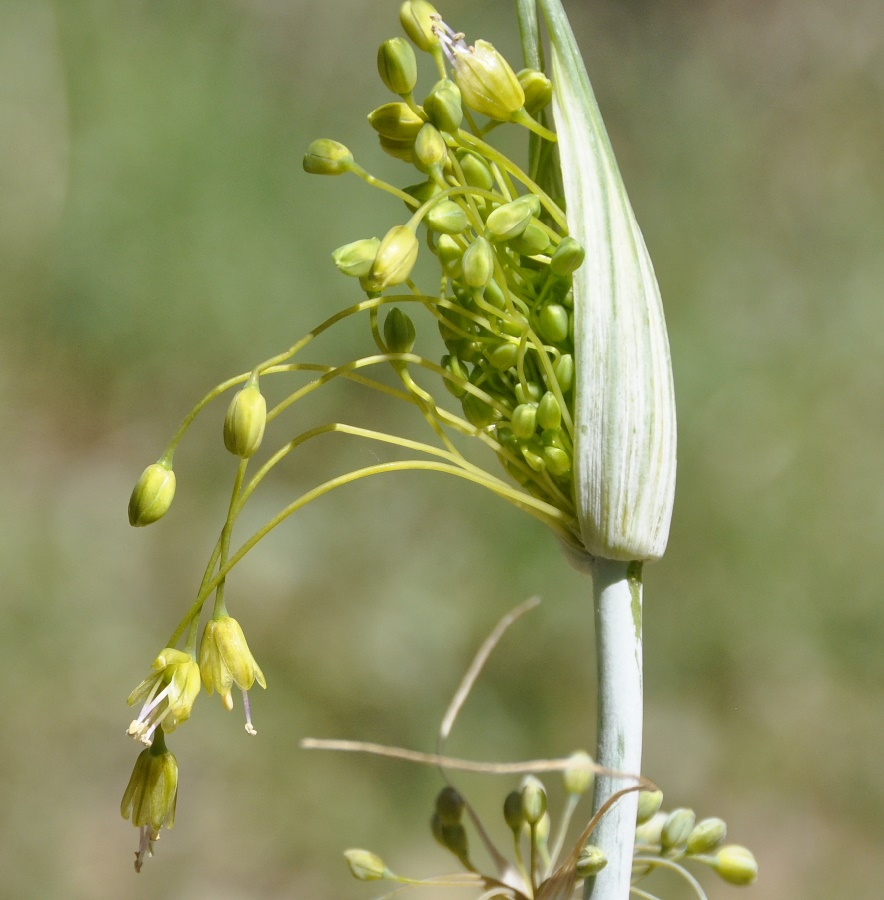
(245, 421)
(650, 832)
(504, 356)
(455, 385)
(549, 413)
(486, 80)
(511, 219)
(707, 835)
(396, 121)
(225, 661)
(591, 861)
(449, 806)
(327, 157)
(429, 148)
(365, 865)
(568, 257)
(677, 827)
(152, 495)
(537, 89)
(554, 323)
(532, 241)
(450, 255)
(563, 369)
(447, 217)
(478, 263)
(443, 106)
(355, 259)
(397, 65)
(476, 171)
(399, 331)
(736, 865)
(477, 412)
(513, 813)
(395, 259)
(579, 779)
(402, 150)
(533, 799)
(524, 420)
(530, 392)
(452, 837)
(557, 461)
(649, 803)
(418, 19)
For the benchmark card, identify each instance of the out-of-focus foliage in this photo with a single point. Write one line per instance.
(157, 235)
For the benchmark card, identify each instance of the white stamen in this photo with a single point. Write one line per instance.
(250, 729)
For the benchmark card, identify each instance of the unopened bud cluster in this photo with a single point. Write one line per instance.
(505, 308)
(678, 837)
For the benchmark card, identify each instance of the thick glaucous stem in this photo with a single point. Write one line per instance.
(617, 593)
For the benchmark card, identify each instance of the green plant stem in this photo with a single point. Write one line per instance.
(617, 593)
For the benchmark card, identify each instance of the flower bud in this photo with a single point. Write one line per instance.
(477, 412)
(365, 865)
(533, 799)
(650, 832)
(591, 861)
(532, 241)
(579, 779)
(245, 421)
(736, 865)
(677, 827)
(707, 835)
(418, 22)
(487, 83)
(451, 837)
(447, 217)
(397, 65)
(563, 368)
(554, 323)
(429, 148)
(396, 121)
(355, 259)
(478, 263)
(449, 806)
(443, 106)
(504, 356)
(557, 461)
(524, 420)
(513, 813)
(399, 331)
(327, 157)
(537, 89)
(511, 219)
(568, 257)
(649, 803)
(402, 150)
(549, 413)
(395, 259)
(450, 255)
(476, 171)
(529, 392)
(152, 495)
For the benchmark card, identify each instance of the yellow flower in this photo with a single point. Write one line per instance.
(167, 696)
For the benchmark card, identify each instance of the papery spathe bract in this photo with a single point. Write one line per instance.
(625, 437)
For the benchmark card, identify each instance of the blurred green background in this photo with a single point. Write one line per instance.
(157, 235)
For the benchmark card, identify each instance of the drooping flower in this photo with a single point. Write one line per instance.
(166, 696)
(151, 795)
(225, 661)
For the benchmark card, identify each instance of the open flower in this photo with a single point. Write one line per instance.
(151, 795)
(167, 696)
(225, 660)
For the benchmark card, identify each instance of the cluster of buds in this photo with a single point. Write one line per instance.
(667, 839)
(505, 307)
(662, 841)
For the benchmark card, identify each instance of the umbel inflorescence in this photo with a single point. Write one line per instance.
(585, 441)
